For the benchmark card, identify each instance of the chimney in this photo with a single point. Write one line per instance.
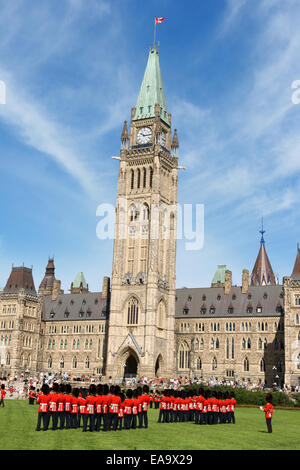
(228, 281)
(245, 281)
(56, 289)
(105, 287)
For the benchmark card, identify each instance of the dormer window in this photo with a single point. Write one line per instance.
(259, 309)
(66, 314)
(52, 314)
(279, 309)
(212, 310)
(203, 310)
(265, 295)
(219, 298)
(81, 314)
(249, 309)
(88, 313)
(185, 311)
(230, 309)
(189, 298)
(204, 298)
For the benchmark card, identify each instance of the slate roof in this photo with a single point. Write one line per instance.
(193, 300)
(296, 271)
(49, 277)
(73, 304)
(20, 278)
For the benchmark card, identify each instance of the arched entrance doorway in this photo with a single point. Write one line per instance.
(158, 366)
(130, 369)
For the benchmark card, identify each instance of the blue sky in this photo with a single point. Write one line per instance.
(73, 69)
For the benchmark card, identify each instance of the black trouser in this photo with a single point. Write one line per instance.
(269, 424)
(197, 416)
(143, 418)
(68, 419)
(98, 421)
(181, 416)
(120, 421)
(232, 417)
(228, 417)
(156, 405)
(45, 418)
(209, 417)
(105, 421)
(203, 418)
(127, 421)
(215, 417)
(133, 422)
(62, 417)
(175, 416)
(151, 404)
(84, 421)
(161, 415)
(31, 401)
(114, 421)
(74, 422)
(78, 419)
(54, 418)
(92, 423)
(2, 402)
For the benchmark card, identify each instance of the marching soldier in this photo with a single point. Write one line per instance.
(43, 401)
(61, 406)
(68, 401)
(128, 409)
(52, 408)
(74, 409)
(3, 394)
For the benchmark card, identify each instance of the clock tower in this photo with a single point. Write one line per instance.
(141, 335)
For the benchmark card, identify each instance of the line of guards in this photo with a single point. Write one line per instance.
(108, 408)
(202, 407)
(99, 407)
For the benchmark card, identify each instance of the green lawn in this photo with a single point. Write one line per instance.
(18, 422)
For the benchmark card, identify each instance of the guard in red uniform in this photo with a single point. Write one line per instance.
(268, 410)
(114, 407)
(233, 405)
(128, 409)
(98, 407)
(90, 407)
(105, 407)
(81, 407)
(32, 395)
(163, 407)
(43, 401)
(68, 401)
(135, 404)
(61, 406)
(146, 400)
(203, 416)
(74, 409)
(121, 411)
(52, 406)
(3, 394)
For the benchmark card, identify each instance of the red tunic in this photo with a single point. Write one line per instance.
(68, 401)
(163, 403)
(53, 399)
(43, 400)
(3, 393)
(74, 404)
(60, 402)
(114, 404)
(121, 410)
(90, 404)
(146, 400)
(105, 403)
(98, 404)
(135, 406)
(128, 402)
(233, 404)
(268, 410)
(204, 410)
(82, 407)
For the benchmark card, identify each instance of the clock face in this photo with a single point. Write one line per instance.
(163, 139)
(144, 135)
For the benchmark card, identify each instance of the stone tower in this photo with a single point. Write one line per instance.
(141, 339)
(291, 287)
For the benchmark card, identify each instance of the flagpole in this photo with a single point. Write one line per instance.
(154, 31)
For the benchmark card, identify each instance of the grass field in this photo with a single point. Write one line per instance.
(18, 422)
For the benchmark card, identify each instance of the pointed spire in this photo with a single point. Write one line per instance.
(262, 273)
(152, 91)
(79, 285)
(175, 144)
(296, 271)
(46, 286)
(124, 137)
(262, 231)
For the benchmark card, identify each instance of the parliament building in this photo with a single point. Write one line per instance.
(140, 324)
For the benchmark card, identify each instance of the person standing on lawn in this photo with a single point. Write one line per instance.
(3, 393)
(268, 410)
(43, 412)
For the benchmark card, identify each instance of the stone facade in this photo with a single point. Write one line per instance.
(141, 324)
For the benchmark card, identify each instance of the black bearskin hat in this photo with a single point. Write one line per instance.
(68, 388)
(45, 389)
(269, 398)
(129, 393)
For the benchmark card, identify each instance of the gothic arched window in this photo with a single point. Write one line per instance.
(132, 179)
(49, 362)
(183, 356)
(151, 177)
(144, 177)
(132, 311)
(74, 362)
(62, 363)
(199, 363)
(87, 363)
(138, 178)
(214, 363)
(246, 364)
(262, 365)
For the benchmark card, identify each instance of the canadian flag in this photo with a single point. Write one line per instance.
(159, 20)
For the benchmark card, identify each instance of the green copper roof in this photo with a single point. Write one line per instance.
(220, 274)
(80, 279)
(151, 91)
